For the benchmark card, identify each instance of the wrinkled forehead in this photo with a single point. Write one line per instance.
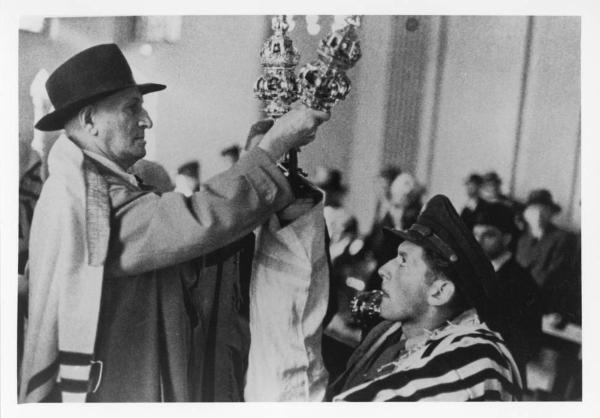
(410, 249)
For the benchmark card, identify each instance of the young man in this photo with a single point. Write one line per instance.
(512, 286)
(136, 295)
(433, 344)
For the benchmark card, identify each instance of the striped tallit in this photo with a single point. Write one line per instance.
(68, 245)
(463, 361)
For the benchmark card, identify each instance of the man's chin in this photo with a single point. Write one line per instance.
(141, 153)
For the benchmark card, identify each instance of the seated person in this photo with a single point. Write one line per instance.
(404, 207)
(474, 202)
(550, 254)
(434, 343)
(512, 287)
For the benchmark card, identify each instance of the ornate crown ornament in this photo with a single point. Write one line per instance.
(323, 82)
(278, 87)
(365, 307)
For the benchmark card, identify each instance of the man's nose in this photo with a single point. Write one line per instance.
(145, 120)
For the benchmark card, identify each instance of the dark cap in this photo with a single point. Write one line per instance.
(474, 178)
(233, 151)
(191, 169)
(329, 180)
(440, 229)
(542, 197)
(390, 172)
(88, 76)
(497, 215)
(491, 177)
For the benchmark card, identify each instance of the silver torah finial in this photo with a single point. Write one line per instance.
(323, 82)
(278, 87)
(365, 307)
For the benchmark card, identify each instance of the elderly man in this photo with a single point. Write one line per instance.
(134, 295)
(433, 344)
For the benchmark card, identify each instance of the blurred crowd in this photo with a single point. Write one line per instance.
(537, 264)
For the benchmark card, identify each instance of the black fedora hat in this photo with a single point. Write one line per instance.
(88, 76)
(497, 215)
(542, 197)
(440, 229)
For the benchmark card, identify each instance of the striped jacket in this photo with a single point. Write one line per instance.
(462, 361)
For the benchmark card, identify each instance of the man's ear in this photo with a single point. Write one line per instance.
(441, 292)
(86, 120)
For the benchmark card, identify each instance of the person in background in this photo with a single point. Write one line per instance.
(512, 288)
(187, 180)
(404, 207)
(491, 191)
(472, 187)
(384, 182)
(547, 253)
(231, 155)
(435, 343)
(341, 224)
(339, 336)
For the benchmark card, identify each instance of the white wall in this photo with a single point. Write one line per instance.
(208, 104)
(498, 93)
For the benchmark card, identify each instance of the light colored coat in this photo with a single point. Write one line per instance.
(155, 240)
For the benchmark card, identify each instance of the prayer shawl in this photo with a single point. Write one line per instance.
(68, 246)
(462, 361)
(288, 299)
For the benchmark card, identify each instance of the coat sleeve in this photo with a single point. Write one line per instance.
(149, 231)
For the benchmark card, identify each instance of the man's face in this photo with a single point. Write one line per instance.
(121, 121)
(382, 187)
(472, 189)
(405, 284)
(401, 192)
(490, 191)
(491, 239)
(537, 216)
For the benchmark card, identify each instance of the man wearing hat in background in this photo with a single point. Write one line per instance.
(491, 190)
(433, 344)
(550, 255)
(134, 295)
(474, 201)
(341, 224)
(512, 287)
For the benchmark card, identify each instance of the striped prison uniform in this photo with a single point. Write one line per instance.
(462, 361)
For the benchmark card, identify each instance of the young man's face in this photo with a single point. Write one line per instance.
(491, 239)
(121, 121)
(405, 284)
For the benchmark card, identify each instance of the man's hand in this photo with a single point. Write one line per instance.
(294, 129)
